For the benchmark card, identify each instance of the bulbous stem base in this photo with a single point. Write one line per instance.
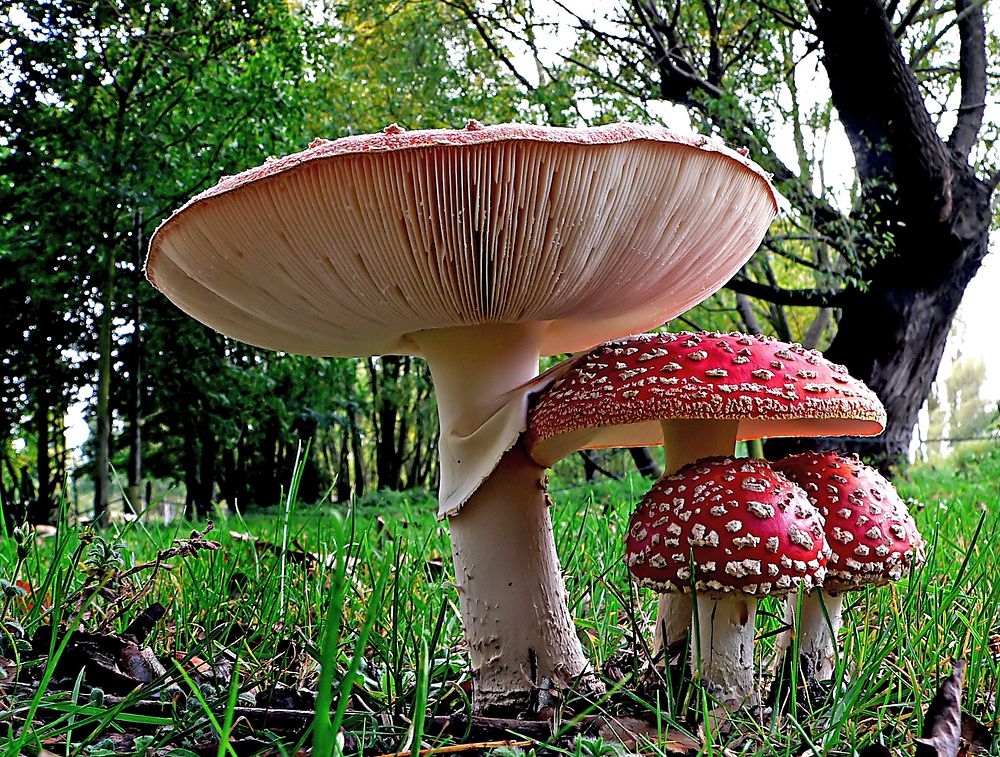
(723, 649)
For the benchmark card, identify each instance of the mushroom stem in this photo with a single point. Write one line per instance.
(511, 595)
(684, 441)
(724, 650)
(820, 620)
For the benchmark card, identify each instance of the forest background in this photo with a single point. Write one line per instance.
(879, 121)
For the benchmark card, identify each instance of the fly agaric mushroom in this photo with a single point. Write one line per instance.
(734, 530)
(478, 249)
(696, 394)
(873, 540)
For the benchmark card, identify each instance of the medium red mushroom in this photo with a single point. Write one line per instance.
(697, 394)
(728, 532)
(479, 249)
(873, 540)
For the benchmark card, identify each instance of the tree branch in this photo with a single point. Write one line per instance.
(493, 47)
(677, 76)
(810, 339)
(611, 82)
(881, 107)
(930, 44)
(784, 18)
(769, 243)
(745, 308)
(972, 69)
(794, 297)
(587, 26)
(908, 17)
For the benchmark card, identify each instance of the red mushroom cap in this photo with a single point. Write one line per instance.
(746, 526)
(873, 538)
(617, 393)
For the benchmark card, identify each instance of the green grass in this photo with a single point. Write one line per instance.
(372, 624)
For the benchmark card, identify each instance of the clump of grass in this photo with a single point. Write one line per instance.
(352, 611)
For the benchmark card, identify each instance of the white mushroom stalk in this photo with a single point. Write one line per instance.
(817, 627)
(728, 531)
(510, 589)
(686, 440)
(479, 249)
(722, 649)
(873, 540)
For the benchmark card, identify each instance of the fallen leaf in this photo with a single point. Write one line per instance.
(975, 734)
(144, 622)
(634, 734)
(7, 670)
(943, 721)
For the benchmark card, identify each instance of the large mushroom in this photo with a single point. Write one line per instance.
(697, 394)
(873, 540)
(478, 249)
(726, 531)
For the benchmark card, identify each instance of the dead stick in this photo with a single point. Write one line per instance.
(455, 748)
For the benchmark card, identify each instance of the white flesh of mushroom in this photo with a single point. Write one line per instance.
(819, 624)
(511, 597)
(722, 652)
(685, 441)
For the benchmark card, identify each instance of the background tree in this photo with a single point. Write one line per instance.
(113, 113)
(877, 270)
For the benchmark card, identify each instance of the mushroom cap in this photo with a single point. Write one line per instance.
(747, 528)
(617, 394)
(349, 246)
(873, 538)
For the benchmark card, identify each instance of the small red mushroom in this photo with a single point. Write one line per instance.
(873, 540)
(681, 388)
(729, 531)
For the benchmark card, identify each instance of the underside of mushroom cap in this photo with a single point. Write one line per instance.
(734, 525)
(873, 538)
(352, 245)
(618, 393)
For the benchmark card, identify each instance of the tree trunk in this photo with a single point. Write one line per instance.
(7, 496)
(190, 472)
(40, 508)
(644, 462)
(102, 446)
(133, 403)
(356, 452)
(900, 358)
(384, 382)
(344, 467)
(922, 201)
(134, 426)
(58, 479)
(206, 471)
